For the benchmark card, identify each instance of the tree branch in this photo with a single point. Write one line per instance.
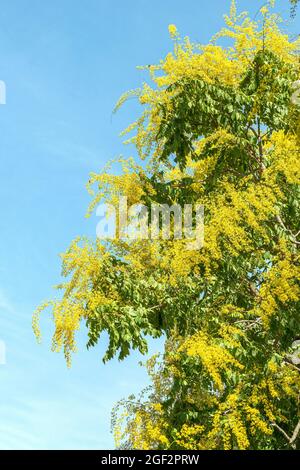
(295, 433)
(280, 221)
(292, 365)
(291, 440)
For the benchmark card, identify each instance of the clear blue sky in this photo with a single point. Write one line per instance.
(65, 63)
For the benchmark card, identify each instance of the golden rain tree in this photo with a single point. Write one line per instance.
(219, 127)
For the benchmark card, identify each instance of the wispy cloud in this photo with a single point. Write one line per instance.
(43, 405)
(5, 304)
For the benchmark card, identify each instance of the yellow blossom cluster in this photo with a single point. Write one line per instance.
(84, 262)
(281, 285)
(189, 437)
(215, 358)
(147, 429)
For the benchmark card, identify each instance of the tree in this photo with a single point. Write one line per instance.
(220, 127)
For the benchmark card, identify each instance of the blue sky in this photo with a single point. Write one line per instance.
(65, 64)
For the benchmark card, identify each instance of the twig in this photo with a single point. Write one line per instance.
(292, 365)
(279, 219)
(291, 440)
(281, 430)
(295, 433)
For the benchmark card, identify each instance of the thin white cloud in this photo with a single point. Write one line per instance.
(5, 303)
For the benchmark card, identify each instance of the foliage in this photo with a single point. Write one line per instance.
(218, 128)
(294, 4)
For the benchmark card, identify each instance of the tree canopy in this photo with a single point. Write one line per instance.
(219, 127)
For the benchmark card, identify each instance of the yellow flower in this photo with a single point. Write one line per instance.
(173, 30)
(264, 11)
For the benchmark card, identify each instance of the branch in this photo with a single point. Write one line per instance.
(295, 433)
(291, 364)
(280, 221)
(281, 430)
(249, 323)
(291, 440)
